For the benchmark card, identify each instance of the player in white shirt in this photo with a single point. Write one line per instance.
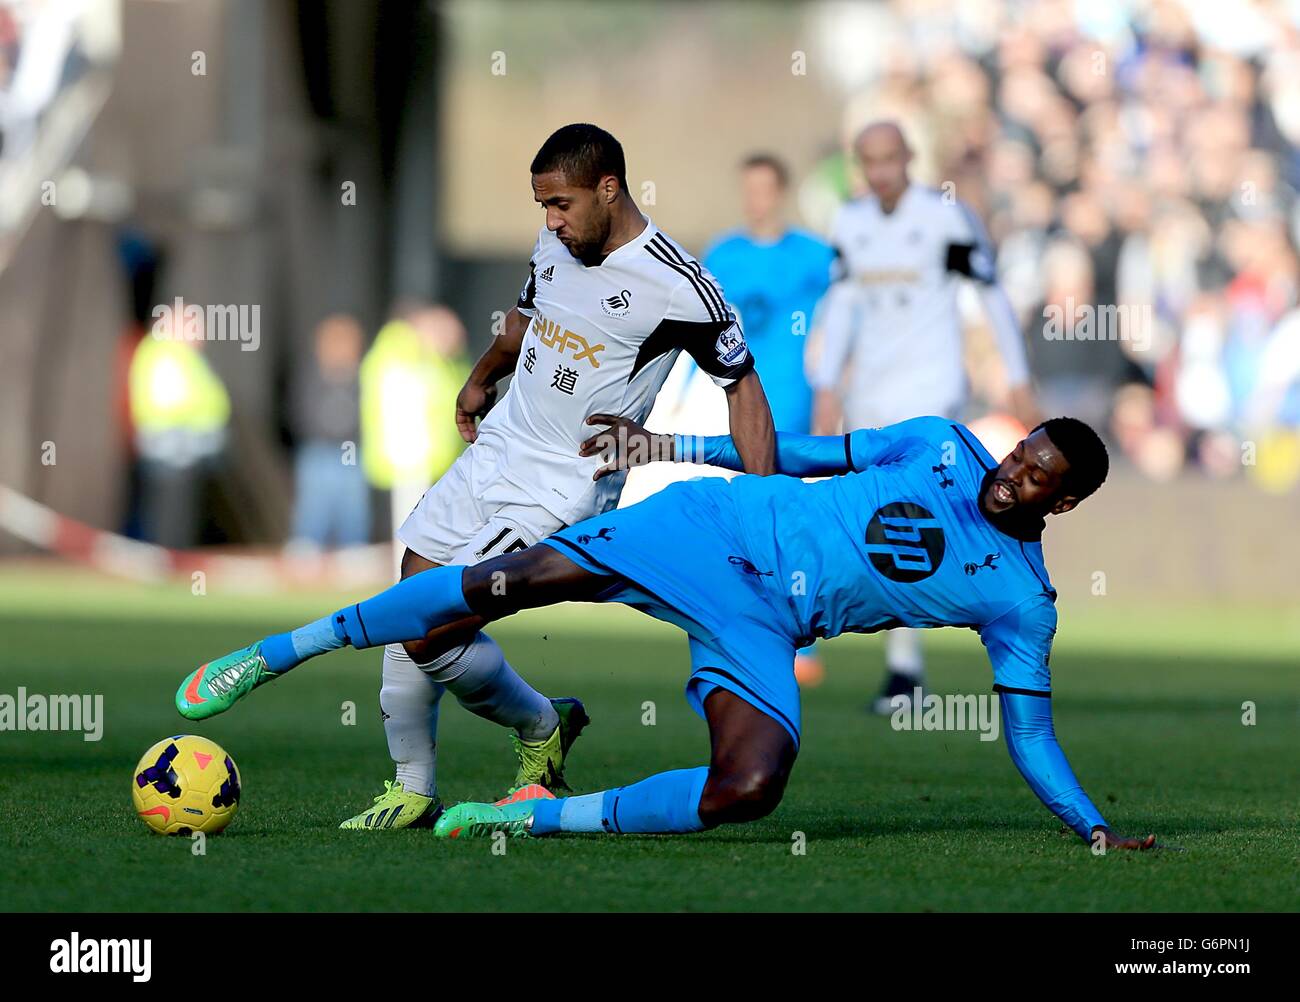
(891, 333)
(609, 303)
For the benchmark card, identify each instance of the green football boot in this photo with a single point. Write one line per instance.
(470, 820)
(542, 762)
(216, 686)
(396, 808)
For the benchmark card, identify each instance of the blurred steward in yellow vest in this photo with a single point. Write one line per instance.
(180, 412)
(409, 381)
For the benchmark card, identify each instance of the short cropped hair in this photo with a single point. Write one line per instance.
(583, 154)
(772, 163)
(1084, 450)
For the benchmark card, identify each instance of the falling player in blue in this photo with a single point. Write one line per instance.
(915, 525)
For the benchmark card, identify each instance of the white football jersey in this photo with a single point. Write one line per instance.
(892, 317)
(601, 340)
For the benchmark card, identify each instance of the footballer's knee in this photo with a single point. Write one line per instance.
(427, 649)
(742, 792)
(444, 638)
(750, 763)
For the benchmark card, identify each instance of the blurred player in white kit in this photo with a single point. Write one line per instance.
(891, 330)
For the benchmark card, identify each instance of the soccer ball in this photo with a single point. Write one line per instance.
(186, 784)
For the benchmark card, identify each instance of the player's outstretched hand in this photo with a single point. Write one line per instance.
(624, 444)
(1114, 841)
(472, 402)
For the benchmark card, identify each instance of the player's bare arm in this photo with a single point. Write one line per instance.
(751, 424)
(480, 389)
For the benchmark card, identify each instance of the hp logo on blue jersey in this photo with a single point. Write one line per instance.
(905, 542)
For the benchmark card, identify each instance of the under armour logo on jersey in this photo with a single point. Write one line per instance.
(971, 568)
(604, 534)
(945, 481)
(547, 273)
(618, 304)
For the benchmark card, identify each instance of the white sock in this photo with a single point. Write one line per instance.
(479, 676)
(903, 652)
(409, 701)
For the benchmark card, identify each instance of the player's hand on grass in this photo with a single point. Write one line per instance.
(624, 444)
(473, 401)
(1112, 840)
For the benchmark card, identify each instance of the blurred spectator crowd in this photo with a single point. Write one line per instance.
(1140, 155)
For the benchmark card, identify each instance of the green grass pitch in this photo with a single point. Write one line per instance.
(1148, 708)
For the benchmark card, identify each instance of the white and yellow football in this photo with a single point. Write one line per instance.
(186, 784)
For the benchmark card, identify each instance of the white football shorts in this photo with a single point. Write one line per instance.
(473, 512)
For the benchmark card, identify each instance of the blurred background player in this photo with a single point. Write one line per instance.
(775, 274)
(331, 497)
(891, 332)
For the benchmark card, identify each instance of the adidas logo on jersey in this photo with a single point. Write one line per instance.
(548, 273)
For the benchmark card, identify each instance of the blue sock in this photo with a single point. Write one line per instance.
(288, 650)
(406, 611)
(664, 804)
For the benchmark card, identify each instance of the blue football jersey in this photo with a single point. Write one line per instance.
(901, 542)
(775, 287)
